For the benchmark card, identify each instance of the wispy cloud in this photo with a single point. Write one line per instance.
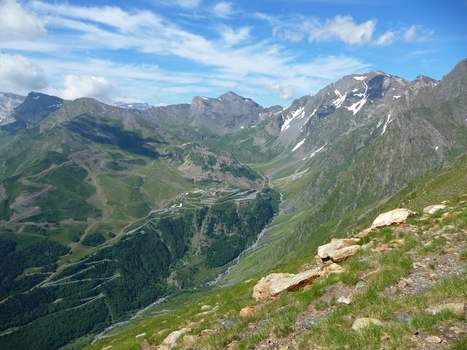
(417, 33)
(223, 9)
(345, 29)
(231, 36)
(284, 92)
(385, 39)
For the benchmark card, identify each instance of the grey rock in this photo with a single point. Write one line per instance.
(229, 322)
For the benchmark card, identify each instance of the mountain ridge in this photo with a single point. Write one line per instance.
(198, 183)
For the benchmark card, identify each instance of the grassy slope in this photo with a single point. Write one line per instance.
(276, 319)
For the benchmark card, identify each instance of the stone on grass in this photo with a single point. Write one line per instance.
(272, 285)
(336, 244)
(171, 340)
(393, 217)
(457, 308)
(249, 311)
(344, 253)
(431, 209)
(344, 300)
(338, 250)
(363, 322)
(229, 322)
(433, 339)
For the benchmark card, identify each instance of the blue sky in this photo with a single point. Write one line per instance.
(167, 51)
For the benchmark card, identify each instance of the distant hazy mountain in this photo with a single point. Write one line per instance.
(8, 102)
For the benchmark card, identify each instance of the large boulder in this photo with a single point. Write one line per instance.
(272, 285)
(393, 217)
(337, 250)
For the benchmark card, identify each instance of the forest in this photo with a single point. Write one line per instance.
(110, 285)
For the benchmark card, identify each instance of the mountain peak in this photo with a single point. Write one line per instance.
(227, 113)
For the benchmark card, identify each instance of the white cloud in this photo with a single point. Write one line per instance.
(229, 61)
(124, 22)
(18, 73)
(417, 33)
(410, 34)
(87, 86)
(223, 9)
(18, 22)
(345, 29)
(284, 92)
(385, 39)
(232, 37)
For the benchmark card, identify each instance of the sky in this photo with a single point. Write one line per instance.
(166, 52)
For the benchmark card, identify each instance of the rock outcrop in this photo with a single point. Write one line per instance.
(338, 250)
(393, 217)
(272, 285)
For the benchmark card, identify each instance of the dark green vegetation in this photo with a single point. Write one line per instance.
(114, 282)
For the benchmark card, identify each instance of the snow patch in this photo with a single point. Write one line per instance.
(360, 77)
(314, 153)
(358, 105)
(297, 146)
(340, 100)
(312, 114)
(436, 148)
(386, 124)
(298, 114)
(36, 98)
(396, 97)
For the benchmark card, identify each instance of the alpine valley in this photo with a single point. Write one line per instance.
(114, 214)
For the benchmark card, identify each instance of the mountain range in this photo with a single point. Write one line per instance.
(107, 209)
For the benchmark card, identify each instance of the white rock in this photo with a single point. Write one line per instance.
(431, 209)
(171, 340)
(433, 340)
(364, 322)
(344, 300)
(396, 216)
(275, 283)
